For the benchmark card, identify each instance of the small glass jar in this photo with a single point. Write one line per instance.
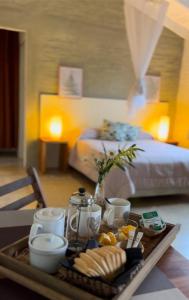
(79, 212)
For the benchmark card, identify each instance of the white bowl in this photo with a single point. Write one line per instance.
(47, 251)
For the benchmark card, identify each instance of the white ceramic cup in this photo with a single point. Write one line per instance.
(117, 212)
(47, 251)
(89, 222)
(48, 220)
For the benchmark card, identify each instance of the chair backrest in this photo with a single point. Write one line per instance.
(37, 195)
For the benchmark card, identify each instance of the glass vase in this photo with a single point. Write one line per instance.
(100, 194)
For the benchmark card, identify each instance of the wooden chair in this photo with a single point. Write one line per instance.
(37, 195)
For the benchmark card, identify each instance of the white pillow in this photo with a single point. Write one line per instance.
(90, 133)
(144, 135)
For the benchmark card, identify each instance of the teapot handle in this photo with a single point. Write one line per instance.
(34, 230)
(108, 216)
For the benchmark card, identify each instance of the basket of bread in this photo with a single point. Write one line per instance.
(108, 267)
(103, 262)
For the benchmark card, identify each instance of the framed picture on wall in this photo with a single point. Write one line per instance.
(152, 88)
(70, 82)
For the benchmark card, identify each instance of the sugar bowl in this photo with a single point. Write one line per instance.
(47, 251)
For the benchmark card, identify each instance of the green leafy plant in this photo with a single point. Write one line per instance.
(120, 159)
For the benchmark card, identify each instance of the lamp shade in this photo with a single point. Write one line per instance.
(163, 128)
(51, 122)
(55, 127)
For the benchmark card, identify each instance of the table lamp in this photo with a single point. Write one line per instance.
(163, 128)
(55, 128)
(51, 121)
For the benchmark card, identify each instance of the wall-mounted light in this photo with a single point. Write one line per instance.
(163, 128)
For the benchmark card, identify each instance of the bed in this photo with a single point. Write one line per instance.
(162, 169)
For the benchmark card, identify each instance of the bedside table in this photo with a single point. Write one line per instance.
(63, 154)
(174, 143)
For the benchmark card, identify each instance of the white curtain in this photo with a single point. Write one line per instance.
(144, 21)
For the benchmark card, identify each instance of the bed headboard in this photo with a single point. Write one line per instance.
(78, 114)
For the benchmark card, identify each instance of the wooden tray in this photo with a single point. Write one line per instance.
(14, 265)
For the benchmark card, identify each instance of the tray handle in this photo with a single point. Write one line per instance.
(30, 284)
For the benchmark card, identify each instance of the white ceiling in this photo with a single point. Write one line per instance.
(178, 17)
(185, 2)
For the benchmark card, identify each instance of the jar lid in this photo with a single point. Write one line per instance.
(81, 198)
(47, 242)
(50, 214)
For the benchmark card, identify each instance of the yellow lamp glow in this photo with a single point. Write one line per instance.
(55, 127)
(163, 128)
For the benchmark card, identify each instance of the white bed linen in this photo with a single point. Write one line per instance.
(161, 169)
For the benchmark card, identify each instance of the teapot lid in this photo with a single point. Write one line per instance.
(81, 198)
(50, 214)
(47, 242)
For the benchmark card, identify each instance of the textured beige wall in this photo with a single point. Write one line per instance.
(89, 34)
(181, 124)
